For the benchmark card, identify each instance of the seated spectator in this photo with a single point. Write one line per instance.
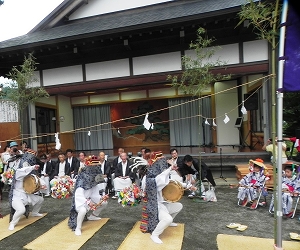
(123, 175)
(81, 157)
(105, 171)
(289, 180)
(251, 183)
(45, 172)
(73, 162)
(175, 174)
(268, 146)
(114, 165)
(190, 170)
(62, 167)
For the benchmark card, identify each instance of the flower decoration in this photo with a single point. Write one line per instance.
(7, 176)
(62, 187)
(130, 196)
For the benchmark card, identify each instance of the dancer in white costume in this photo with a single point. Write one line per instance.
(86, 197)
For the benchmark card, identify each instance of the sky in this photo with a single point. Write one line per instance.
(18, 17)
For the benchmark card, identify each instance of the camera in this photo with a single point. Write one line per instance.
(270, 139)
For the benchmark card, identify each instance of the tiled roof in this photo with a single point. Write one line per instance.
(125, 20)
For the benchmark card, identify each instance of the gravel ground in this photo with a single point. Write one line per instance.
(203, 222)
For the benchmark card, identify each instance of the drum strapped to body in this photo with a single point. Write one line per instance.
(173, 191)
(31, 184)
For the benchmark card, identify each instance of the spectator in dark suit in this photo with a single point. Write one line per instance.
(105, 170)
(114, 165)
(52, 163)
(123, 175)
(46, 172)
(62, 167)
(190, 171)
(73, 161)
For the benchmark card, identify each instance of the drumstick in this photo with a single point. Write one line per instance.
(104, 198)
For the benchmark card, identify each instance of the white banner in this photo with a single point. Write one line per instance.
(8, 112)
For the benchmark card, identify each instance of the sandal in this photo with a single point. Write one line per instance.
(233, 225)
(242, 228)
(295, 236)
(254, 205)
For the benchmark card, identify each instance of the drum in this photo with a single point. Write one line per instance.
(173, 191)
(31, 184)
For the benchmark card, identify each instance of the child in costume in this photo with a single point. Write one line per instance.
(288, 190)
(250, 184)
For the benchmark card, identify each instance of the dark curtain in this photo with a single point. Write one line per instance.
(101, 136)
(186, 128)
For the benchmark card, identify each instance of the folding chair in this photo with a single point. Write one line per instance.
(295, 207)
(262, 192)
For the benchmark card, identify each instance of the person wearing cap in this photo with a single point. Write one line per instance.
(86, 198)
(158, 214)
(20, 200)
(123, 175)
(252, 182)
(15, 155)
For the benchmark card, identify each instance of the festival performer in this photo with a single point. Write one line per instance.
(159, 214)
(252, 182)
(18, 198)
(86, 197)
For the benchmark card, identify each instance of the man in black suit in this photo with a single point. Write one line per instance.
(190, 170)
(106, 172)
(45, 172)
(123, 175)
(62, 167)
(114, 165)
(73, 161)
(52, 162)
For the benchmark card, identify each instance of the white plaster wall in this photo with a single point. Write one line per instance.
(255, 51)
(80, 100)
(99, 7)
(104, 98)
(109, 69)
(51, 100)
(229, 54)
(63, 75)
(252, 79)
(64, 109)
(134, 95)
(226, 101)
(162, 92)
(156, 63)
